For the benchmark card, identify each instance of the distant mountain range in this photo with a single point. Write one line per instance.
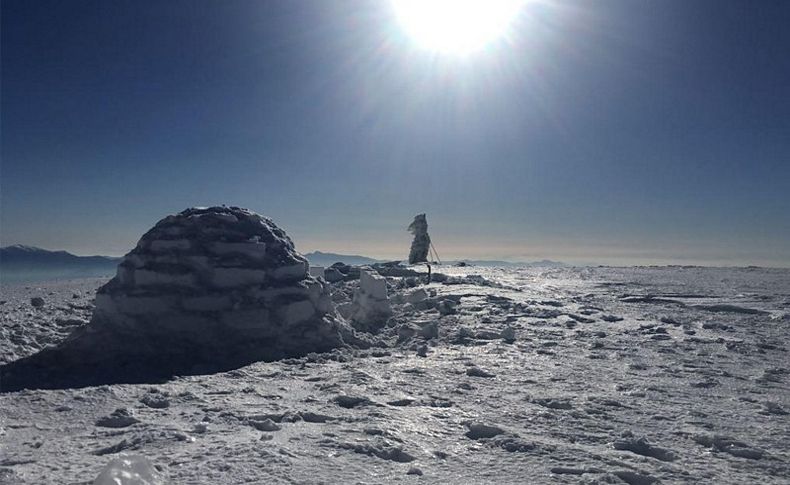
(27, 263)
(20, 263)
(317, 258)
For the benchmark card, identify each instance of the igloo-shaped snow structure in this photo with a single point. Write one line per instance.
(204, 290)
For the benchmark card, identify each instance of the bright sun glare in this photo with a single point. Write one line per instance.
(455, 26)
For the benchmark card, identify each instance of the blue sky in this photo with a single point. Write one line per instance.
(612, 131)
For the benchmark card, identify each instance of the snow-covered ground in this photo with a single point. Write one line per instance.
(569, 375)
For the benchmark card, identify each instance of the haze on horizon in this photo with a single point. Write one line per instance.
(614, 132)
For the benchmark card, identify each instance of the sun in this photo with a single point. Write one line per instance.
(457, 27)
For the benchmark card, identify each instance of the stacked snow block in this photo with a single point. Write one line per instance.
(370, 306)
(317, 271)
(204, 290)
(224, 270)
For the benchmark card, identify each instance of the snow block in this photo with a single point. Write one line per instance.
(160, 246)
(254, 250)
(373, 284)
(207, 303)
(370, 307)
(297, 312)
(417, 296)
(145, 277)
(233, 277)
(317, 271)
(291, 272)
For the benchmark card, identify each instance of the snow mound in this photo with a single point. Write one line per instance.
(207, 289)
(130, 470)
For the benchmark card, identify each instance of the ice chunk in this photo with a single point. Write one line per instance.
(417, 296)
(292, 272)
(317, 271)
(373, 284)
(370, 306)
(333, 275)
(130, 470)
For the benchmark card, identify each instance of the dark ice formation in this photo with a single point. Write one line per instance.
(205, 290)
(421, 244)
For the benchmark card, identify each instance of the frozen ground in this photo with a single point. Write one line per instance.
(581, 375)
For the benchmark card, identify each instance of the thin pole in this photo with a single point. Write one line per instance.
(435, 253)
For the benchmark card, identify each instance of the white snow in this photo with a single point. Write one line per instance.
(370, 305)
(129, 470)
(416, 296)
(373, 284)
(564, 375)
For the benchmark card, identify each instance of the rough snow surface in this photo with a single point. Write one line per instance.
(566, 376)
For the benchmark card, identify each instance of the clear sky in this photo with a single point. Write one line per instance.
(612, 131)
